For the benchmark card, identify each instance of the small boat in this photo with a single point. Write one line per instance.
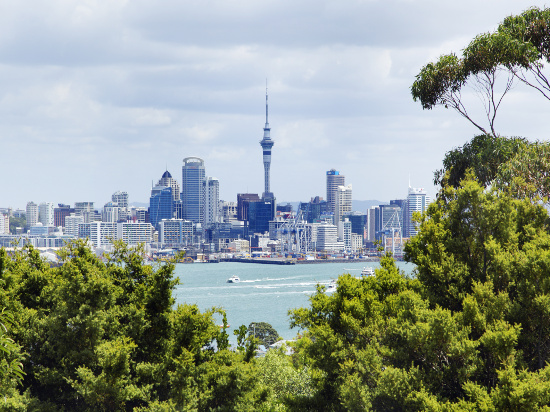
(331, 286)
(367, 271)
(233, 279)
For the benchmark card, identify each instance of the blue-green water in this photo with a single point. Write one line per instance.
(265, 292)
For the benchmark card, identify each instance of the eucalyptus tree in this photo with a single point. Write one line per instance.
(518, 50)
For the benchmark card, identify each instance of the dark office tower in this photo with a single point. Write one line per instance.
(243, 201)
(314, 209)
(358, 222)
(260, 213)
(267, 144)
(334, 179)
(160, 204)
(60, 213)
(192, 189)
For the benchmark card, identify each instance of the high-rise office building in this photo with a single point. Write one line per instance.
(46, 213)
(314, 209)
(32, 214)
(160, 204)
(60, 213)
(169, 181)
(359, 223)
(192, 186)
(85, 209)
(243, 202)
(417, 201)
(371, 224)
(267, 144)
(334, 179)
(211, 193)
(260, 213)
(343, 203)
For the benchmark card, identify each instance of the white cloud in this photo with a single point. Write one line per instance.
(102, 96)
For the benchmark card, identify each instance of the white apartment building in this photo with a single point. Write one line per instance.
(71, 224)
(120, 198)
(345, 233)
(32, 214)
(176, 231)
(103, 233)
(327, 238)
(417, 201)
(111, 212)
(4, 224)
(356, 243)
(133, 233)
(85, 209)
(46, 214)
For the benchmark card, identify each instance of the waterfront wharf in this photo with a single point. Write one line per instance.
(294, 261)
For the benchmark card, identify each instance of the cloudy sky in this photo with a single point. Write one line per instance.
(100, 96)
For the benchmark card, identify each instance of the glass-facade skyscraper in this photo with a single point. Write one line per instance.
(259, 215)
(160, 204)
(334, 179)
(192, 189)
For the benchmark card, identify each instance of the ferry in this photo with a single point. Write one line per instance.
(233, 279)
(367, 271)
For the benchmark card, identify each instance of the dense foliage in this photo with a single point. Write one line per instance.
(470, 330)
(514, 165)
(264, 332)
(16, 222)
(95, 335)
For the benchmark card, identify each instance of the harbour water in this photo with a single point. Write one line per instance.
(265, 293)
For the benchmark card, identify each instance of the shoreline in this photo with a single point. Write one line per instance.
(267, 261)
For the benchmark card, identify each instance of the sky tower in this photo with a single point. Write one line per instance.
(266, 144)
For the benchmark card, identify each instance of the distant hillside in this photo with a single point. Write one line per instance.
(139, 204)
(357, 205)
(364, 205)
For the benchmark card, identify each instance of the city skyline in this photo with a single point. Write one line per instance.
(103, 97)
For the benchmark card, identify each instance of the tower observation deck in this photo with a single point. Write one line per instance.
(267, 144)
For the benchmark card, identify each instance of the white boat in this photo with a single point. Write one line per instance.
(233, 279)
(331, 286)
(367, 271)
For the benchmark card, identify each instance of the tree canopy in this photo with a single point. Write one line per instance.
(469, 331)
(105, 335)
(514, 165)
(264, 332)
(517, 50)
